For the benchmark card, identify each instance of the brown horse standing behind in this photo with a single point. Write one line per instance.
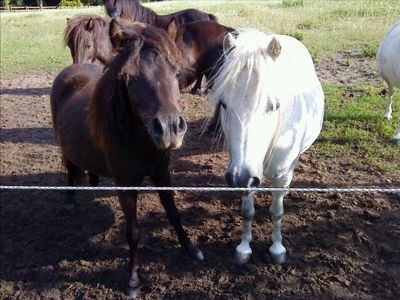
(201, 43)
(132, 9)
(87, 38)
(123, 123)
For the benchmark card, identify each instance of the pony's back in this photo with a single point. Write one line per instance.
(74, 82)
(388, 56)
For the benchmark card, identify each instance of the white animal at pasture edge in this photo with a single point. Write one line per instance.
(272, 111)
(388, 66)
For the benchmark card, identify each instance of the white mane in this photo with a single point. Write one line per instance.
(250, 52)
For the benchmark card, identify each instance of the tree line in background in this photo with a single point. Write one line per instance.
(7, 3)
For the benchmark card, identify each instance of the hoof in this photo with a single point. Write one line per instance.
(242, 258)
(395, 141)
(195, 253)
(278, 259)
(132, 292)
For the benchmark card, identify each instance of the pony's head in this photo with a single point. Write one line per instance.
(87, 38)
(245, 90)
(139, 88)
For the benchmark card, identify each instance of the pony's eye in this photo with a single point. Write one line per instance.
(178, 74)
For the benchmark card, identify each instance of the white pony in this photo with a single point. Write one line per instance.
(272, 111)
(388, 66)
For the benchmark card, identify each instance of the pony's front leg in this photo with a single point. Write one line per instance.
(277, 250)
(243, 250)
(128, 202)
(167, 201)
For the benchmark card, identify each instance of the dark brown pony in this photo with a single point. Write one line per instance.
(87, 38)
(132, 9)
(123, 123)
(201, 43)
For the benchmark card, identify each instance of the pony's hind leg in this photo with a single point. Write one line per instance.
(196, 89)
(396, 138)
(74, 175)
(93, 179)
(243, 250)
(277, 250)
(388, 112)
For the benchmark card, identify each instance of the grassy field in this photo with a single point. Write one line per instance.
(31, 42)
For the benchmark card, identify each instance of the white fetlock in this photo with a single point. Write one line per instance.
(243, 254)
(388, 116)
(278, 253)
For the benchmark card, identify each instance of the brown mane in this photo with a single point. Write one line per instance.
(130, 9)
(110, 118)
(133, 10)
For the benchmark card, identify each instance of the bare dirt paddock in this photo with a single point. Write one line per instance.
(342, 246)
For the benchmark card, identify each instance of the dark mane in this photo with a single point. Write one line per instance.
(110, 115)
(76, 27)
(130, 9)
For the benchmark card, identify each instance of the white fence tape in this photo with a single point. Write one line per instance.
(203, 189)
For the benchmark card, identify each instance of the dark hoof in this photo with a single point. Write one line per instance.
(278, 259)
(195, 253)
(242, 258)
(132, 292)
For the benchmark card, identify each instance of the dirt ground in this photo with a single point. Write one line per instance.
(340, 246)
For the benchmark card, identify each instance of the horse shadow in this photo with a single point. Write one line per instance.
(38, 233)
(26, 91)
(41, 136)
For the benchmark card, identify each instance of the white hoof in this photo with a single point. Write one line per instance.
(132, 292)
(278, 253)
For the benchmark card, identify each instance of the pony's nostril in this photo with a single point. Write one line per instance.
(229, 179)
(182, 124)
(253, 182)
(157, 127)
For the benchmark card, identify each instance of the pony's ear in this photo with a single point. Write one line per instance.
(274, 48)
(89, 25)
(116, 35)
(172, 29)
(229, 43)
(68, 20)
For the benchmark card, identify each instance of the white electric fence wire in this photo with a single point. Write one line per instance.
(202, 189)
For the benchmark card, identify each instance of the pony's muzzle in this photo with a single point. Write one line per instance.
(168, 131)
(245, 178)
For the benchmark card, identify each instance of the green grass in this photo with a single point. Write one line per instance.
(32, 41)
(354, 124)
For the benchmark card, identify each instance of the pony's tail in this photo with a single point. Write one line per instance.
(213, 17)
